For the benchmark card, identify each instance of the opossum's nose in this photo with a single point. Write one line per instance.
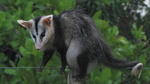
(37, 48)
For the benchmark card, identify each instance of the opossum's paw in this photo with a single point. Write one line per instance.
(40, 69)
(137, 69)
(62, 72)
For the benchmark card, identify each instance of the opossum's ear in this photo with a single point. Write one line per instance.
(26, 24)
(48, 20)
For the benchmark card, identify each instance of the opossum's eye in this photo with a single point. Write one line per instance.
(33, 36)
(43, 34)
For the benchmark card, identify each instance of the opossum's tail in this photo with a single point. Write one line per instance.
(113, 62)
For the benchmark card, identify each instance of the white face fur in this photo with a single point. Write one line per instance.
(41, 30)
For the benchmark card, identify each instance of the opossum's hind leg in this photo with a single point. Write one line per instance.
(76, 60)
(83, 64)
(72, 79)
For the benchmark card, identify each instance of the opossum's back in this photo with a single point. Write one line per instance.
(76, 22)
(75, 17)
(71, 13)
(70, 18)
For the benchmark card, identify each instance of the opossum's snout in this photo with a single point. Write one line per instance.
(39, 44)
(38, 48)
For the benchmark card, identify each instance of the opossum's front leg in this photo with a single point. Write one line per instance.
(64, 63)
(63, 60)
(46, 57)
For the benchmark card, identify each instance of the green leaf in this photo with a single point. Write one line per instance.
(2, 16)
(56, 12)
(97, 14)
(29, 45)
(23, 51)
(106, 1)
(3, 58)
(123, 40)
(66, 4)
(10, 71)
(1, 43)
(115, 31)
(12, 63)
(14, 44)
(102, 24)
(105, 75)
(28, 9)
(142, 59)
(138, 33)
(17, 2)
(41, 7)
(10, 26)
(117, 75)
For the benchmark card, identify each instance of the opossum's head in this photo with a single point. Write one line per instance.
(41, 30)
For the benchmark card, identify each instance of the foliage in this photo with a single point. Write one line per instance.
(17, 48)
(122, 13)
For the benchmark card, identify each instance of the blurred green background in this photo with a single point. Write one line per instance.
(123, 23)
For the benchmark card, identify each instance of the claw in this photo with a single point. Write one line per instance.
(40, 69)
(137, 69)
(62, 71)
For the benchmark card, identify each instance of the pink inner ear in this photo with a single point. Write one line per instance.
(47, 21)
(27, 24)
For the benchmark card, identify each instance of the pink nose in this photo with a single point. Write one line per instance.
(37, 48)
